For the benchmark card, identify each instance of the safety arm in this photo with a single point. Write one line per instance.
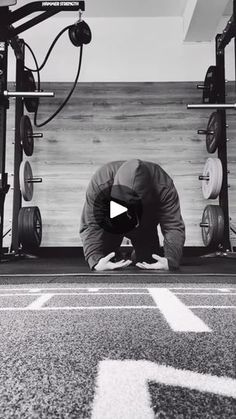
(42, 6)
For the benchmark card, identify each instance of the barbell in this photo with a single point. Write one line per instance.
(211, 106)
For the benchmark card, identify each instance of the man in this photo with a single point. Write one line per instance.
(151, 199)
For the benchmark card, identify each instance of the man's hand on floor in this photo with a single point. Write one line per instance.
(162, 263)
(105, 263)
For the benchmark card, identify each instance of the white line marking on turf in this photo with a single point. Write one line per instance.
(35, 290)
(79, 308)
(89, 294)
(38, 303)
(200, 288)
(209, 307)
(177, 314)
(223, 293)
(122, 387)
(74, 288)
(2, 287)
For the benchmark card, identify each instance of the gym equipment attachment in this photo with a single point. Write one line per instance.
(212, 225)
(212, 178)
(80, 33)
(210, 85)
(30, 227)
(213, 132)
(27, 136)
(27, 180)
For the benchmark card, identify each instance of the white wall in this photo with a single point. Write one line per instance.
(124, 49)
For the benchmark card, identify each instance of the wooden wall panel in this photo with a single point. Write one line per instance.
(112, 121)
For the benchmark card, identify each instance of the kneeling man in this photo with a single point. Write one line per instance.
(151, 199)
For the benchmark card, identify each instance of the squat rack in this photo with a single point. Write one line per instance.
(9, 35)
(221, 41)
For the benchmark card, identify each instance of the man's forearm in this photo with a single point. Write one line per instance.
(93, 260)
(173, 250)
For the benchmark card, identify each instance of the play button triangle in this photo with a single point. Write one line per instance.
(116, 209)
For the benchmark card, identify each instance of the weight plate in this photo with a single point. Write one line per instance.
(214, 132)
(25, 178)
(211, 187)
(212, 225)
(30, 227)
(210, 85)
(31, 103)
(26, 135)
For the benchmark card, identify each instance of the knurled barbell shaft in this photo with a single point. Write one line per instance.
(201, 177)
(205, 132)
(28, 94)
(212, 106)
(34, 180)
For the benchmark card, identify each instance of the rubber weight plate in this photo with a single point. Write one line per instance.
(212, 225)
(210, 85)
(212, 178)
(26, 135)
(214, 132)
(31, 103)
(30, 227)
(25, 179)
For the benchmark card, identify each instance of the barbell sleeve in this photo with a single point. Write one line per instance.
(35, 180)
(205, 132)
(212, 106)
(28, 94)
(202, 87)
(36, 135)
(201, 177)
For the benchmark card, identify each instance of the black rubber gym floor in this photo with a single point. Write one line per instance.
(74, 269)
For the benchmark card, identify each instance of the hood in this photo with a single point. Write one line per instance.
(132, 182)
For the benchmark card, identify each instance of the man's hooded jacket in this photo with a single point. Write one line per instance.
(160, 205)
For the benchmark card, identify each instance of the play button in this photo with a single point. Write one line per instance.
(116, 209)
(119, 212)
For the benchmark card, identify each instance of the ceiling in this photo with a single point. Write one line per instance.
(135, 8)
(229, 8)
